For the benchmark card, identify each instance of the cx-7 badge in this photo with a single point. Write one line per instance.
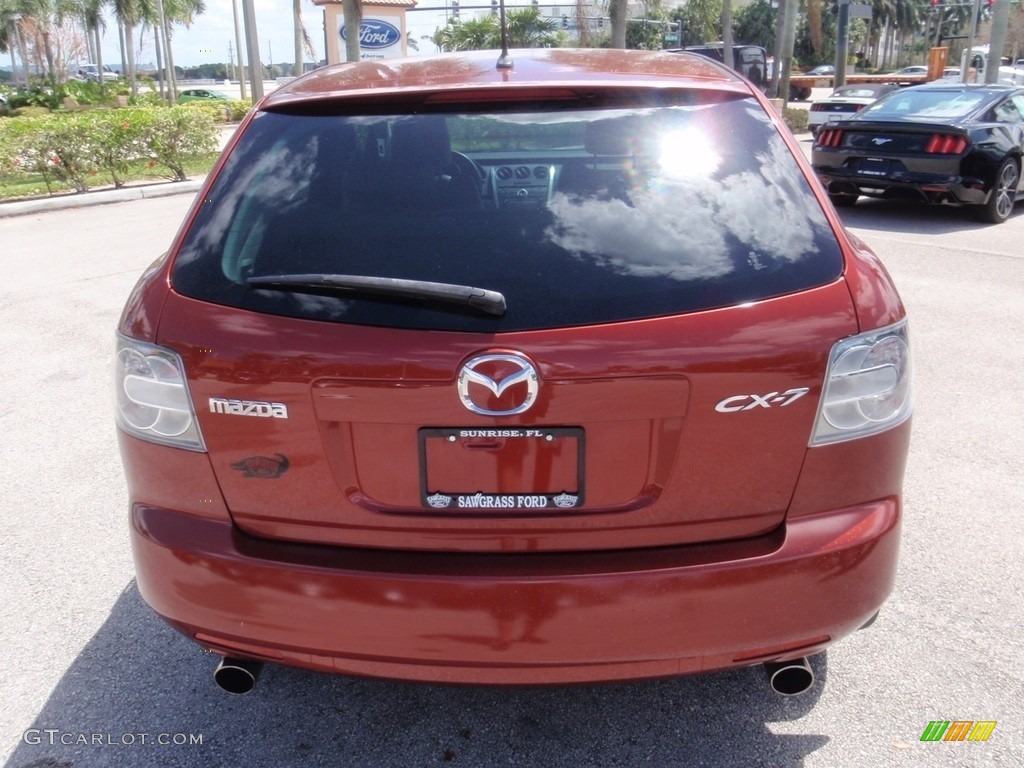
(747, 402)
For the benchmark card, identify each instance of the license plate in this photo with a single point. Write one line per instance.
(517, 470)
(871, 166)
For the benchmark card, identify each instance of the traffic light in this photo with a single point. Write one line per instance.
(600, 22)
(565, 22)
(455, 9)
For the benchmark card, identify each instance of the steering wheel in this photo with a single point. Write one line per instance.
(468, 168)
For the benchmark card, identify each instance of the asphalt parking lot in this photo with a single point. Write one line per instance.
(92, 678)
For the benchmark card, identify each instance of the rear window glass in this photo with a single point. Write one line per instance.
(575, 216)
(926, 104)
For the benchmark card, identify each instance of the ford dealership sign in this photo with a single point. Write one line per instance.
(375, 34)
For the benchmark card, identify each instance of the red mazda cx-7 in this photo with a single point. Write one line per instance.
(556, 371)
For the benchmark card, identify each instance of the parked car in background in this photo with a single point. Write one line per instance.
(945, 143)
(555, 372)
(843, 102)
(915, 69)
(94, 73)
(822, 69)
(200, 94)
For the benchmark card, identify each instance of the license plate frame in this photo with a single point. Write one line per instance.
(873, 167)
(553, 445)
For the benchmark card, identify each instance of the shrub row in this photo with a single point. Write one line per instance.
(75, 147)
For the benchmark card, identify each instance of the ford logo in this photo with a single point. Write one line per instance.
(376, 34)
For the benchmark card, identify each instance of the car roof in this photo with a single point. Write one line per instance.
(533, 68)
(946, 85)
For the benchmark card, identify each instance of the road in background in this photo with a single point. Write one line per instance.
(88, 664)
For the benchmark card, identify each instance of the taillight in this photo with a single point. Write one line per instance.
(867, 386)
(817, 107)
(945, 144)
(830, 137)
(153, 401)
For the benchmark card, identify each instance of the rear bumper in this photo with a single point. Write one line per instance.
(932, 188)
(519, 618)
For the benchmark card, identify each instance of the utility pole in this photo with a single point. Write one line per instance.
(842, 43)
(788, 41)
(252, 47)
(238, 45)
(1000, 21)
(968, 54)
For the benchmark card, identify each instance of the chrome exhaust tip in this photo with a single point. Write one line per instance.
(790, 678)
(237, 676)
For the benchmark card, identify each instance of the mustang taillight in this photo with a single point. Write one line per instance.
(830, 137)
(817, 107)
(945, 144)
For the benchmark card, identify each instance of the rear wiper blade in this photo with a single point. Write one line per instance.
(491, 302)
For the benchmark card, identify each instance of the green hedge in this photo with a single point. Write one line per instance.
(73, 148)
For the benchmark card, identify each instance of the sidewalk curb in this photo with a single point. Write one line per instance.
(88, 199)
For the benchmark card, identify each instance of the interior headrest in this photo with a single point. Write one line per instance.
(421, 141)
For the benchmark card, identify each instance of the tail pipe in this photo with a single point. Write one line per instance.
(237, 676)
(790, 678)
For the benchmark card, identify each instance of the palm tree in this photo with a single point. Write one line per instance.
(525, 28)
(43, 17)
(618, 12)
(300, 33)
(10, 35)
(478, 34)
(92, 18)
(129, 15)
(303, 42)
(171, 12)
(352, 10)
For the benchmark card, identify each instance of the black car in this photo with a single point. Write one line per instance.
(949, 143)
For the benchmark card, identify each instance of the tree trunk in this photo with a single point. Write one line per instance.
(618, 10)
(727, 56)
(297, 21)
(353, 13)
(129, 48)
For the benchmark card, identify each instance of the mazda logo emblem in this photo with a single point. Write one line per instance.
(498, 384)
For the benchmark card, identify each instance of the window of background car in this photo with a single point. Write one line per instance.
(576, 215)
(923, 103)
(1010, 111)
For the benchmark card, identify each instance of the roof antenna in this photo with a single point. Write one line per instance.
(504, 61)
